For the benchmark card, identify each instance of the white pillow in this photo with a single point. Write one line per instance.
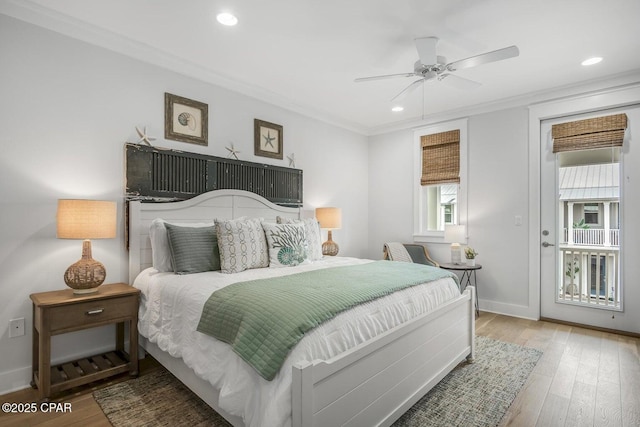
(287, 244)
(242, 244)
(160, 252)
(314, 238)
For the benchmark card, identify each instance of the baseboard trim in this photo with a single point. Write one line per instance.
(513, 310)
(15, 380)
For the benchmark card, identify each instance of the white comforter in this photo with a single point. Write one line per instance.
(170, 311)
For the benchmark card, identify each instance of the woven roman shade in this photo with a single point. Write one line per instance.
(440, 158)
(599, 132)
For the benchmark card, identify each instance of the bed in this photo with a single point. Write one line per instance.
(370, 379)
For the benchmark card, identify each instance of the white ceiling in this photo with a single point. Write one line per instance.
(304, 54)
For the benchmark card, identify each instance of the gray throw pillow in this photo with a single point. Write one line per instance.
(193, 250)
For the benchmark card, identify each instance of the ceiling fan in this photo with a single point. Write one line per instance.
(432, 67)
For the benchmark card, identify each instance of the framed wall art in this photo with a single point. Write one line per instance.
(267, 139)
(185, 120)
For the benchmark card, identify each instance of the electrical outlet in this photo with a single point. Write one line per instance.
(16, 327)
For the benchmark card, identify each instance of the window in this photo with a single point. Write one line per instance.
(448, 214)
(440, 176)
(591, 213)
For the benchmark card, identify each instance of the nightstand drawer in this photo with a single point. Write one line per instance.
(91, 312)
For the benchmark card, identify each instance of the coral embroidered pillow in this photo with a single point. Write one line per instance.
(287, 244)
(314, 238)
(242, 245)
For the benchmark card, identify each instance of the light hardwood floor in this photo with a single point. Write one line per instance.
(584, 378)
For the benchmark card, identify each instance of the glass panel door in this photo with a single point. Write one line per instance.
(580, 253)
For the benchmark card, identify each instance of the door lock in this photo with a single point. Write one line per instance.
(547, 244)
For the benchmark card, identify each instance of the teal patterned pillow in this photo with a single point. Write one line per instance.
(314, 238)
(287, 244)
(193, 249)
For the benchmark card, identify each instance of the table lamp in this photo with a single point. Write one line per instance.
(86, 219)
(331, 219)
(455, 234)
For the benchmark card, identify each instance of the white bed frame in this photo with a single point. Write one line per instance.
(369, 385)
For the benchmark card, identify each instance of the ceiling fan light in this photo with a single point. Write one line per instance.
(397, 108)
(430, 75)
(227, 19)
(591, 61)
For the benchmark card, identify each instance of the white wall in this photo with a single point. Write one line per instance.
(390, 190)
(501, 187)
(498, 191)
(66, 110)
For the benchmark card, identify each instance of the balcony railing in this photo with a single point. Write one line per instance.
(593, 237)
(590, 276)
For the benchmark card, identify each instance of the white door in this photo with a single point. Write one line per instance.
(580, 262)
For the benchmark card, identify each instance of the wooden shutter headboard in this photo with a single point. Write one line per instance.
(154, 174)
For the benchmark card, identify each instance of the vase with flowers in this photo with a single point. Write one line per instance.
(470, 254)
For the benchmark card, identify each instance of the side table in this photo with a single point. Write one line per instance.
(59, 312)
(465, 279)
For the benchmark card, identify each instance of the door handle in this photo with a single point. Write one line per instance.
(547, 244)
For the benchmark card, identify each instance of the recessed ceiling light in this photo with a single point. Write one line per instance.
(397, 108)
(227, 19)
(591, 61)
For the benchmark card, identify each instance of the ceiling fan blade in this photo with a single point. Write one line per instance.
(426, 47)
(407, 90)
(474, 61)
(458, 82)
(387, 76)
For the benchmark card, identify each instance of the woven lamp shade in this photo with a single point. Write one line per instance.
(86, 219)
(440, 158)
(599, 132)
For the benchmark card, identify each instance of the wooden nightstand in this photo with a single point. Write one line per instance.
(59, 312)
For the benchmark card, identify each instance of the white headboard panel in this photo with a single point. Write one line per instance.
(223, 204)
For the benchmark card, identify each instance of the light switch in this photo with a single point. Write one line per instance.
(518, 220)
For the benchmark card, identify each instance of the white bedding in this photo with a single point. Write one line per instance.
(170, 310)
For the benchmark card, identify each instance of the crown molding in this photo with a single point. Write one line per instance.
(49, 19)
(585, 88)
(27, 11)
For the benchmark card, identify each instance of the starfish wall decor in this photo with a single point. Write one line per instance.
(292, 160)
(144, 137)
(232, 151)
(268, 140)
